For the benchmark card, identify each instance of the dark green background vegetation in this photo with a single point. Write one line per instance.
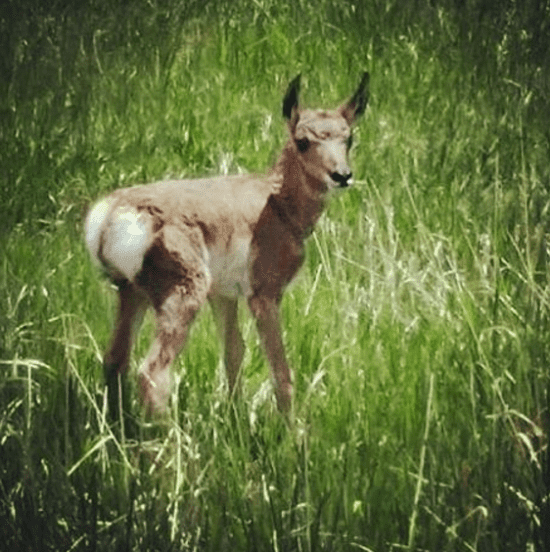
(418, 330)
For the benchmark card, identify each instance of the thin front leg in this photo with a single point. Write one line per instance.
(131, 309)
(226, 313)
(266, 312)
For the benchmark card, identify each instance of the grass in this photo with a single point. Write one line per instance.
(418, 328)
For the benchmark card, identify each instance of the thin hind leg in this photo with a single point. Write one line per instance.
(173, 318)
(176, 280)
(131, 309)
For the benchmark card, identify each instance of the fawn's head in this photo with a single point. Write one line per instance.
(322, 139)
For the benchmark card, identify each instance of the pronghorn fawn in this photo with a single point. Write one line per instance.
(175, 244)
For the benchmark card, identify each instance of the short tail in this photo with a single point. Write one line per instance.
(118, 237)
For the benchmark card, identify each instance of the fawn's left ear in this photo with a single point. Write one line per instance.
(290, 102)
(358, 103)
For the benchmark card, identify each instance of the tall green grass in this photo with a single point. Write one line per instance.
(418, 328)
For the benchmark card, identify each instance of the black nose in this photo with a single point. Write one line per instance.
(342, 179)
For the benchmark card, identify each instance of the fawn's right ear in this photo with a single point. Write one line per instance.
(358, 103)
(290, 102)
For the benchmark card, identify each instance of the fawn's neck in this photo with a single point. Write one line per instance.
(302, 198)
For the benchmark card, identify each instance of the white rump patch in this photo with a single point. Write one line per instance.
(127, 238)
(118, 237)
(94, 224)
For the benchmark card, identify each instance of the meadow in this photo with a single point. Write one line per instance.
(418, 328)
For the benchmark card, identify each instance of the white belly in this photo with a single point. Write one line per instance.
(230, 269)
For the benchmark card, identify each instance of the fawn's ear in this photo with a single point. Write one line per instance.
(290, 102)
(358, 103)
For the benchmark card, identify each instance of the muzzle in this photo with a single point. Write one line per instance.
(343, 180)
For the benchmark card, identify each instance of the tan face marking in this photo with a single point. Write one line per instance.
(322, 137)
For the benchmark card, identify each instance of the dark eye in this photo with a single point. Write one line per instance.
(349, 141)
(302, 144)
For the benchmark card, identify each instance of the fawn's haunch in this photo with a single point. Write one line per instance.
(172, 245)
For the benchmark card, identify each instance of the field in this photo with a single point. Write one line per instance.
(418, 329)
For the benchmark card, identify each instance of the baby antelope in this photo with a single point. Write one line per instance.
(175, 244)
